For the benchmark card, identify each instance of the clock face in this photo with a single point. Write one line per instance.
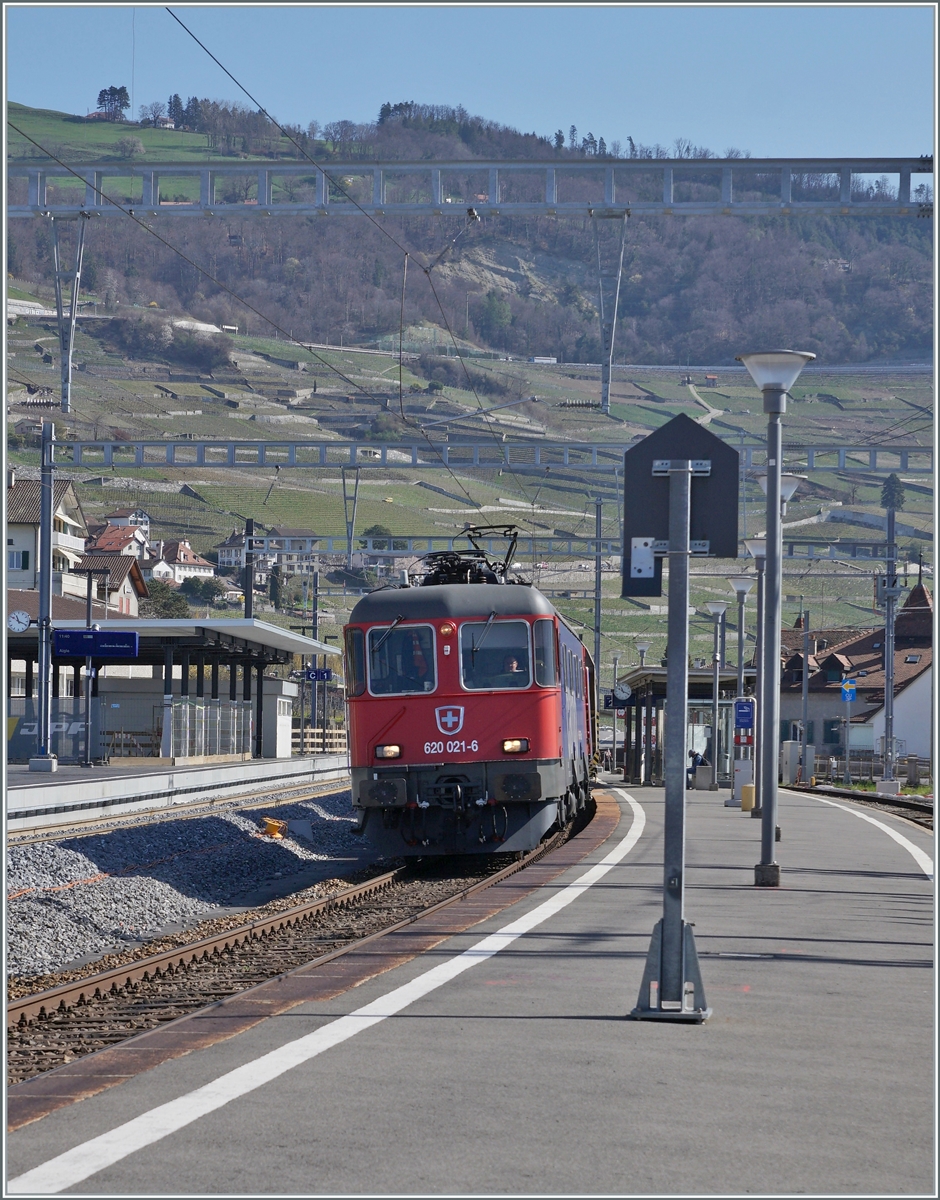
(18, 622)
(622, 691)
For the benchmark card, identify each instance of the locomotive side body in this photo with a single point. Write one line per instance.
(470, 718)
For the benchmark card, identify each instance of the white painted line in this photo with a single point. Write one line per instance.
(71, 1168)
(924, 861)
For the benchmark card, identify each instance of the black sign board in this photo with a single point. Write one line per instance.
(646, 501)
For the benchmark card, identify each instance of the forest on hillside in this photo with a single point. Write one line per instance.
(697, 289)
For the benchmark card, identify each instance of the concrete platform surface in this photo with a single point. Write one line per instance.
(512, 1069)
(36, 799)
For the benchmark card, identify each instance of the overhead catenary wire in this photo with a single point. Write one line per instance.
(332, 182)
(288, 336)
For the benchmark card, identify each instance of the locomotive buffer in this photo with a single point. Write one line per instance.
(659, 520)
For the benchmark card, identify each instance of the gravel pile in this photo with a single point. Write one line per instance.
(60, 910)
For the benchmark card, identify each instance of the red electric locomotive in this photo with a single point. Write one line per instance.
(472, 711)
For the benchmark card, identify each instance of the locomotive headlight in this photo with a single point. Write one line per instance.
(515, 745)
(447, 629)
(390, 751)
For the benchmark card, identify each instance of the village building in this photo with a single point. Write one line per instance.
(125, 582)
(175, 561)
(69, 532)
(860, 656)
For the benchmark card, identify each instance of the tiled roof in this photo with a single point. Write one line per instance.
(64, 608)
(181, 552)
(23, 500)
(120, 566)
(863, 661)
(114, 538)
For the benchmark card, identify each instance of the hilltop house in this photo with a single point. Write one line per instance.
(860, 656)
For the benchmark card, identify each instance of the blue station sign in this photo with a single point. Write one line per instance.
(848, 691)
(96, 643)
(319, 674)
(743, 714)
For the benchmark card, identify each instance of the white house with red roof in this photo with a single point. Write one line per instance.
(175, 561)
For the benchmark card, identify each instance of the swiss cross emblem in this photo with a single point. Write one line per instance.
(449, 720)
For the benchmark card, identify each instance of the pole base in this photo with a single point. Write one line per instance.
(757, 812)
(767, 875)
(732, 803)
(691, 1010)
(44, 762)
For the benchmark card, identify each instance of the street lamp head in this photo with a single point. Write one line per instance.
(741, 584)
(717, 608)
(775, 370)
(644, 647)
(756, 547)
(788, 484)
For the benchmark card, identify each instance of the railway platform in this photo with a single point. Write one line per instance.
(75, 794)
(487, 1049)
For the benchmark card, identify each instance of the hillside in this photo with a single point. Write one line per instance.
(695, 289)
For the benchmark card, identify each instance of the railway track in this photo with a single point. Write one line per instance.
(920, 811)
(58, 1025)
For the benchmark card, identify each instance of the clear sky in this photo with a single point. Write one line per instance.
(810, 80)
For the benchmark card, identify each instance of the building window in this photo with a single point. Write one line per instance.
(912, 658)
(17, 560)
(832, 732)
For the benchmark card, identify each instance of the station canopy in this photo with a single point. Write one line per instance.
(251, 633)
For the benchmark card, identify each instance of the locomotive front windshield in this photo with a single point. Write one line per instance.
(495, 654)
(401, 661)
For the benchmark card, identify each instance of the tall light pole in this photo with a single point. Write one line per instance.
(774, 372)
(44, 759)
(757, 548)
(643, 648)
(614, 712)
(717, 608)
(598, 588)
(741, 585)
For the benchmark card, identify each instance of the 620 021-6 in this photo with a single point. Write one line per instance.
(454, 747)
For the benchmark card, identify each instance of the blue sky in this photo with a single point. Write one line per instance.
(775, 80)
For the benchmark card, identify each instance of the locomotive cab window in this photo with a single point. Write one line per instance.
(355, 662)
(401, 660)
(494, 654)
(546, 672)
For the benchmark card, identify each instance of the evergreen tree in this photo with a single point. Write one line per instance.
(573, 138)
(892, 494)
(174, 110)
(192, 113)
(602, 148)
(114, 101)
(559, 139)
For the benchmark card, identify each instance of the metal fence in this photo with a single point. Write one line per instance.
(67, 730)
(201, 728)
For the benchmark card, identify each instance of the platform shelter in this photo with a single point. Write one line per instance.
(197, 692)
(645, 713)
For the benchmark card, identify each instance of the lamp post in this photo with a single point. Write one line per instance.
(614, 713)
(717, 608)
(774, 372)
(643, 648)
(741, 585)
(757, 548)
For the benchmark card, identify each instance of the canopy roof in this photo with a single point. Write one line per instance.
(259, 633)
